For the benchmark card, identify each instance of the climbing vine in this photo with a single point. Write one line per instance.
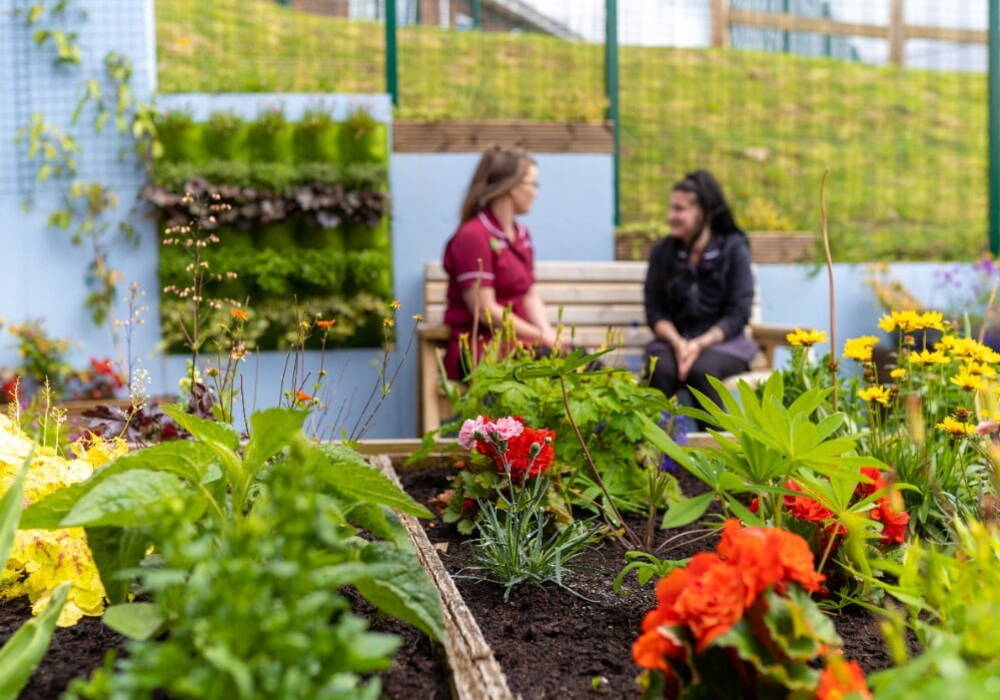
(86, 208)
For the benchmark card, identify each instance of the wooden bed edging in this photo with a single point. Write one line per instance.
(475, 673)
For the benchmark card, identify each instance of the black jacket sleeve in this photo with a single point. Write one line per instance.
(656, 284)
(739, 299)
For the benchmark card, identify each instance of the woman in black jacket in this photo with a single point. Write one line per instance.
(699, 290)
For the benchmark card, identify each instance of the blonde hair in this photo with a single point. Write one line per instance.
(499, 171)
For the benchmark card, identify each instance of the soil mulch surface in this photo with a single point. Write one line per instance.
(74, 651)
(554, 644)
(418, 669)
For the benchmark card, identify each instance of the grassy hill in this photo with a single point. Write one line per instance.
(906, 149)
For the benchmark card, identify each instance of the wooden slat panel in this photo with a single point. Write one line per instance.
(471, 137)
(962, 36)
(591, 315)
(798, 23)
(561, 293)
(581, 271)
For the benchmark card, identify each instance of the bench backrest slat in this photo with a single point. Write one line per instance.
(595, 298)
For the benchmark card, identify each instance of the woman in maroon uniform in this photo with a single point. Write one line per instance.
(490, 261)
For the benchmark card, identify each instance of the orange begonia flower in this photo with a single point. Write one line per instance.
(840, 679)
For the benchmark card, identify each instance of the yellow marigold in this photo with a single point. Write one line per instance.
(932, 320)
(969, 349)
(875, 393)
(950, 425)
(806, 338)
(927, 357)
(898, 373)
(967, 381)
(860, 349)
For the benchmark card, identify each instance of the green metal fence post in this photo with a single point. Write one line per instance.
(476, 19)
(994, 83)
(611, 90)
(786, 37)
(391, 62)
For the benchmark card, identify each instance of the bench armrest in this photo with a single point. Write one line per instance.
(769, 337)
(433, 332)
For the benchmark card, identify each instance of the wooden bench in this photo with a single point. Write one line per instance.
(599, 300)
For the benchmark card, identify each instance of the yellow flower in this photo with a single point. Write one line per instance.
(875, 393)
(418, 317)
(950, 425)
(967, 381)
(806, 338)
(388, 322)
(927, 357)
(904, 321)
(979, 370)
(395, 305)
(898, 373)
(239, 314)
(860, 349)
(969, 349)
(932, 320)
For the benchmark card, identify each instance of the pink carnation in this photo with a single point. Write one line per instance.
(470, 429)
(505, 428)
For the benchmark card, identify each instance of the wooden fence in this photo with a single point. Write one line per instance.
(896, 32)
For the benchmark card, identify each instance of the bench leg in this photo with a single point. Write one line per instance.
(429, 417)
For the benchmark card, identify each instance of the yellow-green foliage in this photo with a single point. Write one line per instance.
(906, 148)
(43, 559)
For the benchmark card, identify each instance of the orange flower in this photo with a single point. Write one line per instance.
(712, 601)
(395, 304)
(653, 648)
(840, 679)
(303, 397)
(796, 559)
(239, 314)
(765, 556)
(326, 324)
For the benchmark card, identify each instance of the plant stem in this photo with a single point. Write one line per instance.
(632, 538)
(829, 274)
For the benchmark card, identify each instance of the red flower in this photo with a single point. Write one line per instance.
(804, 507)
(8, 391)
(840, 679)
(529, 454)
(104, 367)
(893, 521)
(754, 505)
(864, 490)
(468, 504)
(303, 397)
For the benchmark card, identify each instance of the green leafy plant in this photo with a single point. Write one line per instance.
(518, 543)
(253, 598)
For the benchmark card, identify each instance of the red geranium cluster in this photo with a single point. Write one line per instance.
(711, 593)
(888, 509)
(526, 452)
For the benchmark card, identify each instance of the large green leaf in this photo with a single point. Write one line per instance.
(222, 440)
(380, 522)
(270, 431)
(10, 510)
(687, 510)
(134, 620)
(366, 484)
(116, 549)
(207, 431)
(23, 651)
(190, 460)
(127, 500)
(399, 587)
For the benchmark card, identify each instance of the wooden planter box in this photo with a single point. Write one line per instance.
(765, 246)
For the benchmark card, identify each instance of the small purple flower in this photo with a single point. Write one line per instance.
(679, 433)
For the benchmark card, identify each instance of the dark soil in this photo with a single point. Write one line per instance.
(74, 651)
(418, 668)
(554, 644)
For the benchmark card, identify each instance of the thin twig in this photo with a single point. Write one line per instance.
(633, 539)
(829, 274)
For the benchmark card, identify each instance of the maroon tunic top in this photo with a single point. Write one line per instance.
(508, 267)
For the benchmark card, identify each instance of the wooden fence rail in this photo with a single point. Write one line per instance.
(896, 32)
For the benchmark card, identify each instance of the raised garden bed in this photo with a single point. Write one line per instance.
(553, 643)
